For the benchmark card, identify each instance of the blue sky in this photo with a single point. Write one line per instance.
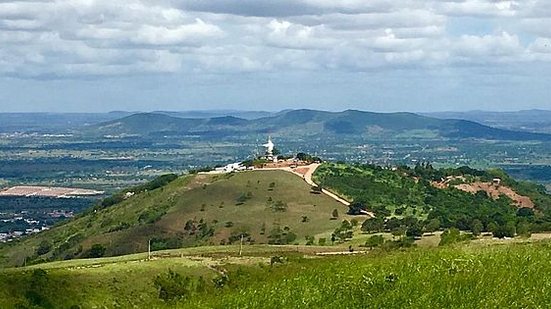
(411, 55)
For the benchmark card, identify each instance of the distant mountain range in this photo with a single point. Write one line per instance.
(311, 122)
(527, 120)
(530, 124)
(63, 122)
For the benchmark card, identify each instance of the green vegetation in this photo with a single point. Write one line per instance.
(454, 276)
(189, 211)
(156, 183)
(410, 199)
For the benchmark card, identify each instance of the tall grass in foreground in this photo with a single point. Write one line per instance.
(516, 276)
(462, 276)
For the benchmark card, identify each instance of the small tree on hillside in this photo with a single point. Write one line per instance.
(374, 241)
(476, 227)
(432, 226)
(97, 251)
(524, 229)
(398, 231)
(335, 214)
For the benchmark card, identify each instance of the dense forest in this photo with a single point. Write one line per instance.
(409, 199)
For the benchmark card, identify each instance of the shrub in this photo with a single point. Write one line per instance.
(173, 286)
(279, 206)
(43, 248)
(96, 251)
(334, 214)
(375, 241)
(453, 235)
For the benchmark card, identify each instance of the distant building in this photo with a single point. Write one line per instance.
(233, 167)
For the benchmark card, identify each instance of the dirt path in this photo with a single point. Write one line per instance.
(306, 173)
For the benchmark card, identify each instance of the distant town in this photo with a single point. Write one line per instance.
(27, 210)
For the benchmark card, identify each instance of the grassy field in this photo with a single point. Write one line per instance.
(216, 209)
(470, 275)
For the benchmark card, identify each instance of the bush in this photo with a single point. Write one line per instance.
(96, 251)
(173, 286)
(453, 235)
(375, 241)
(43, 248)
(279, 206)
(506, 230)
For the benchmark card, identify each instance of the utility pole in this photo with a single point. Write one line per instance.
(149, 250)
(241, 245)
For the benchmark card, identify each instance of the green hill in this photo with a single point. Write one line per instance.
(312, 122)
(467, 276)
(262, 206)
(207, 217)
(412, 198)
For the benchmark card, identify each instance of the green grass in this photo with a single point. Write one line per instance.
(514, 276)
(462, 276)
(210, 198)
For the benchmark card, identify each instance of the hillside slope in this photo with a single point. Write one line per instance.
(262, 206)
(466, 276)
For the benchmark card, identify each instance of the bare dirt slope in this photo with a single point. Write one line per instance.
(493, 190)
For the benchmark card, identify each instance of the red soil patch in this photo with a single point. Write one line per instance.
(301, 170)
(495, 191)
(491, 189)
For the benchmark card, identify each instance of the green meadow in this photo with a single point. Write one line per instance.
(460, 276)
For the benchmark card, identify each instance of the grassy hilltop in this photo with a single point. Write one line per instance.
(262, 206)
(196, 223)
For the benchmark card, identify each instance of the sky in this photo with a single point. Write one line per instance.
(407, 55)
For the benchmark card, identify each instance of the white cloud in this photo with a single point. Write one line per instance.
(74, 38)
(488, 48)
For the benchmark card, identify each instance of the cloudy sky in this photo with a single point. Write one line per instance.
(407, 55)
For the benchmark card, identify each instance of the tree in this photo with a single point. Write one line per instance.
(372, 225)
(506, 230)
(525, 212)
(433, 225)
(524, 228)
(398, 231)
(279, 206)
(43, 248)
(374, 241)
(476, 227)
(451, 236)
(96, 251)
(492, 227)
(335, 214)
(414, 231)
(356, 208)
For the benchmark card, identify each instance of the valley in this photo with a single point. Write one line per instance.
(386, 209)
(110, 153)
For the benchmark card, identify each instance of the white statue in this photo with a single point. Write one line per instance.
(269, 147)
